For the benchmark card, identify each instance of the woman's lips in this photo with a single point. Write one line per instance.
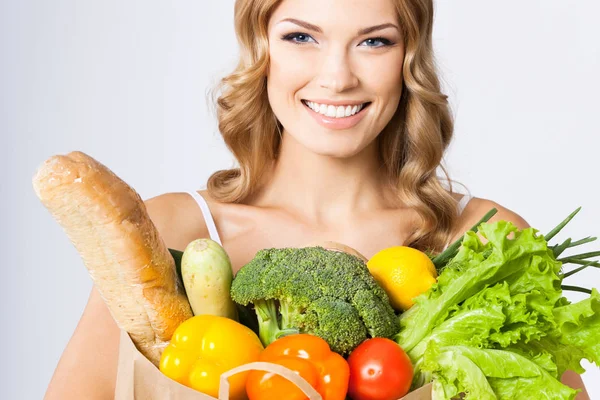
(337, 123)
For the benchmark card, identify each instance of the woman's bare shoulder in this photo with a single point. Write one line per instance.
(177, 218)
(477, 208)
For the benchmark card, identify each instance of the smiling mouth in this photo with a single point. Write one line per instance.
(331, 111)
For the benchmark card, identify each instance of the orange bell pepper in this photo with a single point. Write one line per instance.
(310, 357)
(205, 346)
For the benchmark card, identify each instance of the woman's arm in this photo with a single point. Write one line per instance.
(471, 215)
(88, 367)
(573, 379)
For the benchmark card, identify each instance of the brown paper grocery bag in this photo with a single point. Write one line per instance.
(139, 379)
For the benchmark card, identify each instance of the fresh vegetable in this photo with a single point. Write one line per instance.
(379, 370)
(312, 290)
(491, 374)
(207, 275)
(308, 355)
(496, 324)
(404, 273)
(442, 259)
(205, 346)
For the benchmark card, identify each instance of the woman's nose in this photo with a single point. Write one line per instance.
(336, 72)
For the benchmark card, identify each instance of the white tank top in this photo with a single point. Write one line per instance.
(208, 218)
(214, 233)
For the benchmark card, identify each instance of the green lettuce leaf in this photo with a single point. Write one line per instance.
(494, 306)
(454, 374)
(489, 374)
(579, 328)
(577, 336)
(472, 323)
(475, 267)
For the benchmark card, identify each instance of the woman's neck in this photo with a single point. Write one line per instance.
(323, 189)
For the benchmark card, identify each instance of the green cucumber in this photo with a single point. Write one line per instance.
(207, 275)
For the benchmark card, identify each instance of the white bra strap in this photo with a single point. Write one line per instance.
(463, 203)
(208, 218)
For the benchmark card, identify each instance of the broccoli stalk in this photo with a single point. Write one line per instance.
(268, 321)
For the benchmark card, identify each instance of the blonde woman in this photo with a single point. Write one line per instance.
(336, 118)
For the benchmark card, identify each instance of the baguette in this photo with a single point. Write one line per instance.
(107, 222)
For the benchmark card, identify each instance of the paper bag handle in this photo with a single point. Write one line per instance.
(280, 370)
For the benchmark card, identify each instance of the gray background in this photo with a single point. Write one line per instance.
(125, 81)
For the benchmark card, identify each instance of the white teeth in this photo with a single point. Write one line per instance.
(333, 111)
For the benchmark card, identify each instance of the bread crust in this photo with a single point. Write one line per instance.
(107, 222)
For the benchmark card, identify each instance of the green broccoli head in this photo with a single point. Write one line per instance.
(336, 321)
(312, 290)
(376, 313)
(253, 288)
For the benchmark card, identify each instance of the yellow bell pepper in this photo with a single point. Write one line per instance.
(205, 346)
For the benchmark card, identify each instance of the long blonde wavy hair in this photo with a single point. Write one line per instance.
(411, 146)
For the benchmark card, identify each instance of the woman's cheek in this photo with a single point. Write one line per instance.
(290, 61)
(290, 70)
(388, 67)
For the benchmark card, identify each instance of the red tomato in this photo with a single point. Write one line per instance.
(379, 370)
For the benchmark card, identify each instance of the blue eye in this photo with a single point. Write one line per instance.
(298, 37)
(377, 42)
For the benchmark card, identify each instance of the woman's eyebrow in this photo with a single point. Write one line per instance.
(370, 29)
(364, 31)
(303, 24)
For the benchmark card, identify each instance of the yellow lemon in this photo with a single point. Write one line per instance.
(404, 273)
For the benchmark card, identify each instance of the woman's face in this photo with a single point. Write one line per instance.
(335, 74)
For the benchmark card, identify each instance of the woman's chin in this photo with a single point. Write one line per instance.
(334, 148)
(327, 143)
